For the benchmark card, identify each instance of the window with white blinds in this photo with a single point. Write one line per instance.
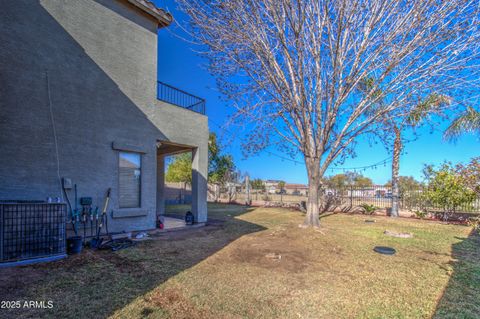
(130, 169)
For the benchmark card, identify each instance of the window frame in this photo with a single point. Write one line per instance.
(140, 190)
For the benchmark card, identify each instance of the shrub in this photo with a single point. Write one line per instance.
(421, 214)
(447, 189)
(475, 223)
(368, 209)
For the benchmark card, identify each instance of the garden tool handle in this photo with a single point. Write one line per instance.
(104, 211)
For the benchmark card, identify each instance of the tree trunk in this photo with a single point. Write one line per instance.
(397, 149)
(312, 217)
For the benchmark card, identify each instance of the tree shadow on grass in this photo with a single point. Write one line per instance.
(461, 297)
(95, 284)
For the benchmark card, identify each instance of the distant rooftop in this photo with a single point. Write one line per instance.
(272, 181)
(164, 18)
(295, 186)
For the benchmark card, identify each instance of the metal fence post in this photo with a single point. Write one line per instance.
(351, 196)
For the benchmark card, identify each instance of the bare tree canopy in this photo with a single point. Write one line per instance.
(308, 74)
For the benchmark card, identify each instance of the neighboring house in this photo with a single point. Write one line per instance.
(79, 99)
(296, 189)
(271, 186)
(233, 187)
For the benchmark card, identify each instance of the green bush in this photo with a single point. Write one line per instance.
(421, 214)
(447, 189)
(475, 223)
(368, 209)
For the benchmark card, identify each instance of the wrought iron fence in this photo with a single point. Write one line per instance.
(378, 196)
(409, 199)
(178, 97)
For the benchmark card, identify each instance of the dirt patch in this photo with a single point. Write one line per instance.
(292, 261)
(14, 281)
(89, 257)
(273, 253)
(398, 234)
(72, 262)
(173, 301)
(123, 265)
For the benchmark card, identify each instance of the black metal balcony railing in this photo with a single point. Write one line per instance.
(172, 95)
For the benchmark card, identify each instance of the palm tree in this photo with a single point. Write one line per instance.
(432, 104)
(467, 122)
(420, 113)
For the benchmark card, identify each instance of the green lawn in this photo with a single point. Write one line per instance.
(225, 271)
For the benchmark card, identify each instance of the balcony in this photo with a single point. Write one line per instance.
(172, 95)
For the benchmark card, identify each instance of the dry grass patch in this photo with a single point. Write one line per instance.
(330, 274)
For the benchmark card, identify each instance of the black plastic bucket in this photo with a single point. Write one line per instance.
(189, 220)
(74, 245)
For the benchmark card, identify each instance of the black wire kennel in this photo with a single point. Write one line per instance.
(31, 232)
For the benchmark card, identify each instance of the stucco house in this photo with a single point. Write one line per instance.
(80, 105)
(296, 189)
(271, 186)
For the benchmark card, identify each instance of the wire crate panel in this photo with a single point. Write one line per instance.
(30, 231)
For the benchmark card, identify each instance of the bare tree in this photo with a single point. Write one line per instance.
(296, 69)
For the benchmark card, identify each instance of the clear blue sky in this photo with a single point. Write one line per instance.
(180, 66)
